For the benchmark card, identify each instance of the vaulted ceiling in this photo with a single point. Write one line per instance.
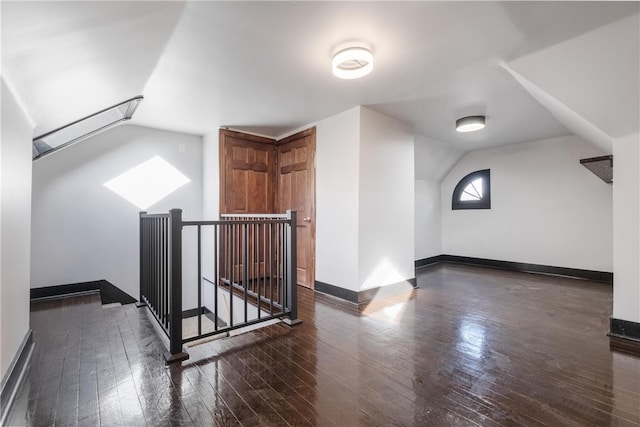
(264, 67)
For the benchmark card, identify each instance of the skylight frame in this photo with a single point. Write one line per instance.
(128, 113)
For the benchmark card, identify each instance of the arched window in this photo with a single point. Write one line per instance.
(473, 191)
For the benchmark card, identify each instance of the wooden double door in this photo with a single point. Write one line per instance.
(262, 176)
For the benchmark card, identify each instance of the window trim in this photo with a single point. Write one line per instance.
(484, 203)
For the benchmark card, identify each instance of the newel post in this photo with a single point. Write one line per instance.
(292, 269)
(175, 353)
(143, 263)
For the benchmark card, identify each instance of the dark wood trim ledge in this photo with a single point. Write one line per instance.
(368, 294)
(428, 261)
(58, 291)
(193, 312)
(15, 375)
(624, 335)
(109, 293)
(598, 276)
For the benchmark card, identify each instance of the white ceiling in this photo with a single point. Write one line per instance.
(264, 67)
(613, 82)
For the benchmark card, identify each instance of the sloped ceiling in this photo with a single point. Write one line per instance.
(265, 66)
(433, 160)
(67, 60)
(595, 76)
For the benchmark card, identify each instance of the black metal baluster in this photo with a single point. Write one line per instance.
(160, 280)
(216, 279)
(154, 263)
(158, 256)
(231, 274)
(271, 268)
(166, 267)
(163, 269)
(283, 283)
(245, 266)
(256, 235)
(199, 283)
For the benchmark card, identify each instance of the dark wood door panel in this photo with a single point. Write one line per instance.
(296, 191)
(247, 171)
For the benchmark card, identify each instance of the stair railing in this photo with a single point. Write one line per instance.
(253, 262)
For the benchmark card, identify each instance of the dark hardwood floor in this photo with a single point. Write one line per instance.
(472, 346)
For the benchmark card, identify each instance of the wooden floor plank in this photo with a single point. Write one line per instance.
(471, 346)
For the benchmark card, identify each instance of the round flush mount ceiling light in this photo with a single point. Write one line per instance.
(352, 63)
(470, 123)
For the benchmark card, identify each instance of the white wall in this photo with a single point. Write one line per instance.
(626, 229)
(546, 208)
(386, 201)
(15, 226)
(210, 208)
(210, 176)
(428, 219)
(433, 160)
(82, 231)
(337, 151)
(364, 200)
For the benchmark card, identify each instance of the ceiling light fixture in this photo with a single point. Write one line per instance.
(470, 123)
(352, 63)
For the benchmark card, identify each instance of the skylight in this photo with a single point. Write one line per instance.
(148, 183)
(83, 128)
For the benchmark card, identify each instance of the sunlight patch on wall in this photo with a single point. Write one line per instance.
(385, 273)
(148, 183)
(384, 305)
